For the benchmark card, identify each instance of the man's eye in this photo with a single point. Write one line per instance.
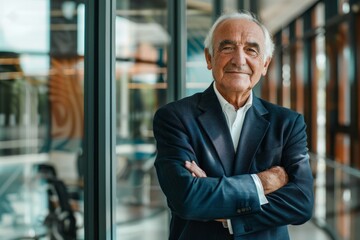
(252, 51)
(227, 49)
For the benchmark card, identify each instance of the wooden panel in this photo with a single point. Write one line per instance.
(66, 102)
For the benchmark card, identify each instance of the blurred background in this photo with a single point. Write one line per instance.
(42, 90)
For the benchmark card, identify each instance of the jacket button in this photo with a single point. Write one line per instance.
(243, 210)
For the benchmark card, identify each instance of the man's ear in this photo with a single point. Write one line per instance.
(208, 58)
(266, 66)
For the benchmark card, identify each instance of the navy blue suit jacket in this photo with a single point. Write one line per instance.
(195, 128)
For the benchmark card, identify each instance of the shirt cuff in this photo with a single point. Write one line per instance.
(229, 226)
(260, 189)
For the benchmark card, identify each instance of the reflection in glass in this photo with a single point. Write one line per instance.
(338, 214)
(141, 82)
(41, 115)
(199, 19)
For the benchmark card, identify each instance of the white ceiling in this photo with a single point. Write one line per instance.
(273, 13)
(277, 13)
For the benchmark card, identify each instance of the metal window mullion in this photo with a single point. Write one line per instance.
(307, 73)
(177, 49)
(254, 7)
(99, 124)
(354, 105)
(243, 5)
(217, 9)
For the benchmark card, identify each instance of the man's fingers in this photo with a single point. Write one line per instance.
(273, 179)
(220, 220)
(280, 174)
(195, 170)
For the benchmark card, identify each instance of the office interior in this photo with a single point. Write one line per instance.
(81, 80)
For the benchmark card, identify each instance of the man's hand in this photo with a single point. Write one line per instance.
(195, 170)
(273, 179)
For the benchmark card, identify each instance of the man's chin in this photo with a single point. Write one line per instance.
(245, 86)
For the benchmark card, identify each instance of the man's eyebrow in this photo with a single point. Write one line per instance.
(225, 42)
(251, 44)
(254, 45)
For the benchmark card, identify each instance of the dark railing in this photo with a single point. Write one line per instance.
(337, 202)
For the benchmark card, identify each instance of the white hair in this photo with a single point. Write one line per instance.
(269, 45)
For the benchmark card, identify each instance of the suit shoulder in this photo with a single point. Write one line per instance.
(184, 104)
(279, 110)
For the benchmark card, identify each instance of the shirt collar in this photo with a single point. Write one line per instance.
(225, 103)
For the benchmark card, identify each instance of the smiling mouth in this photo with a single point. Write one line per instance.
(236, 72)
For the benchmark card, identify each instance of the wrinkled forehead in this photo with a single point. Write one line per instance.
(239, 29)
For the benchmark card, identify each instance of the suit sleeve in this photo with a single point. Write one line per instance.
(196, 198)
(293, 203)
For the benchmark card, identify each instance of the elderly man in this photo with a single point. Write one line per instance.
(232, 165)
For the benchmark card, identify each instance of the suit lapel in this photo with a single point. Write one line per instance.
(253, 131)
(214, 124)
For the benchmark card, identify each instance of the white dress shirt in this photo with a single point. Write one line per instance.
(235, 120)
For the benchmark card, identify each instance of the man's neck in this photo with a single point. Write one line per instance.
(237, 99)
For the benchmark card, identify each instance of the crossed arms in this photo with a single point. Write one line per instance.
(271, 179)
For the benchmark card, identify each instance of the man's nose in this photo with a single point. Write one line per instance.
(239, 57)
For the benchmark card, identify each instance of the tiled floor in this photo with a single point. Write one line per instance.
(307, 231)
(155, 229)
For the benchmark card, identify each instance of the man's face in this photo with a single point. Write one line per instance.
(238, 61)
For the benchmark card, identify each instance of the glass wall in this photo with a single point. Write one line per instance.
(324, 45)
(41, 116)
(42, 106)
(141, 44)
(199, 20)
(42, 112)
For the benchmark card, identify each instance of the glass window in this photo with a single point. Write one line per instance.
(41, 117)
(343, 92)
(285, 70)
(344, 6)
(318, 15)
(297, 68)
(141, 44)
(199, 20)
(271, 84)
